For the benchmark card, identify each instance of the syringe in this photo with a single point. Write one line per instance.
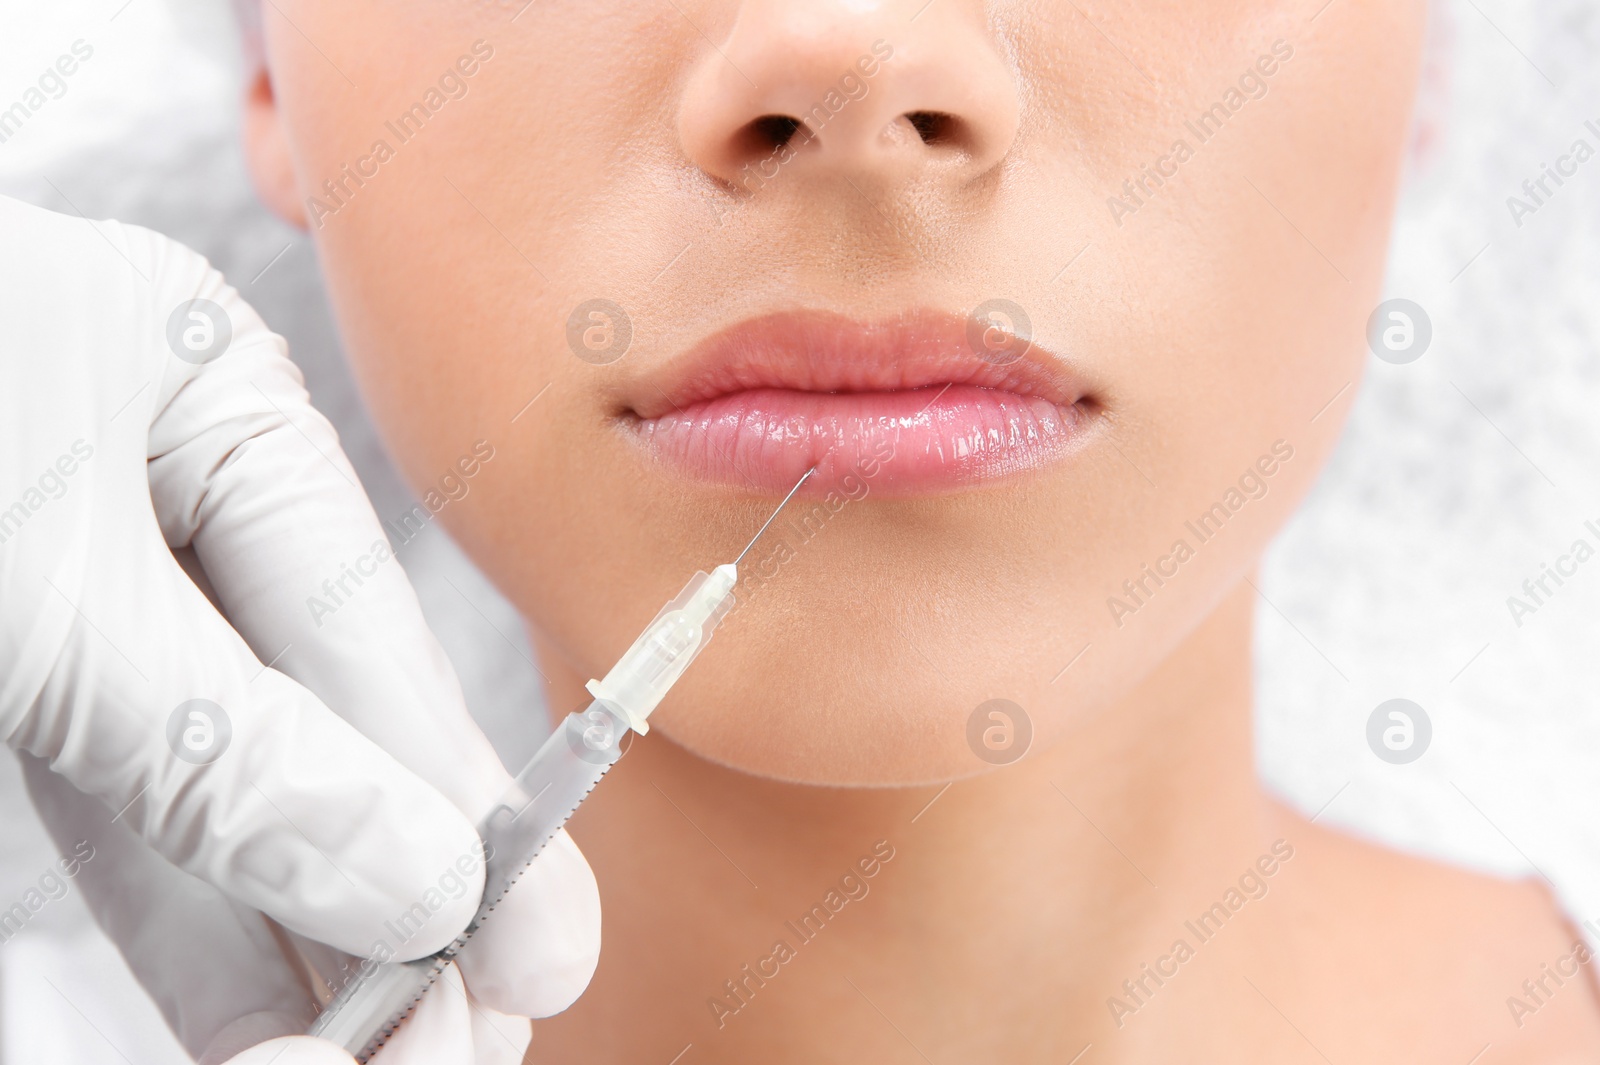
(372, 1006)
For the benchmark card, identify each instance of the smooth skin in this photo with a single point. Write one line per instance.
(597, 151)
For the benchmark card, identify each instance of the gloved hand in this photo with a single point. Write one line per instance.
(295, 771)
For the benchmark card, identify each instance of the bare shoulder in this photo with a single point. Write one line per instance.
(1456, 965)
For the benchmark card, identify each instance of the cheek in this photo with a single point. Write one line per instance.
(455, 267)
(1240, 289)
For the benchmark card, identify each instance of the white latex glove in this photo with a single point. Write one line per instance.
(350, 778)
(445, 1025)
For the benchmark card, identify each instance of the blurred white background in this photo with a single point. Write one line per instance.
(1460, 475)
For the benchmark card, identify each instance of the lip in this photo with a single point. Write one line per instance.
(905, 404)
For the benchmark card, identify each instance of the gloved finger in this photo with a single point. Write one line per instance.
(499, 1038)
(439, 1030)
(293, 1050)
(244, 469)
(231, 771)
(252, 1030)
(205, 959)
(539, 948)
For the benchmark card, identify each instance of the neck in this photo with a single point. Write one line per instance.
(739, 911)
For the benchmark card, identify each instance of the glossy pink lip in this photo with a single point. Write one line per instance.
(904, 405)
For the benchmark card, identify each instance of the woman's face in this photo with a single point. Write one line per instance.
(813, 226)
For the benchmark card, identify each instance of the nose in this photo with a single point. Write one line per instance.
(870, 91)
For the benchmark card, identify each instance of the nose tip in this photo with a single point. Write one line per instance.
(827, 89)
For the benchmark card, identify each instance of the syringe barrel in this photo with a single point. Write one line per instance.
(645, 673)
(561, 773)
(369, 1008)
(559, 776)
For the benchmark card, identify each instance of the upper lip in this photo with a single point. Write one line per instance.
(821, 351)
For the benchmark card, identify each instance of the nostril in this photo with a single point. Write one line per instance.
(935, 127)
(768, 133)
(789, 87)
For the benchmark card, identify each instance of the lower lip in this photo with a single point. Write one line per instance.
(904, 442)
